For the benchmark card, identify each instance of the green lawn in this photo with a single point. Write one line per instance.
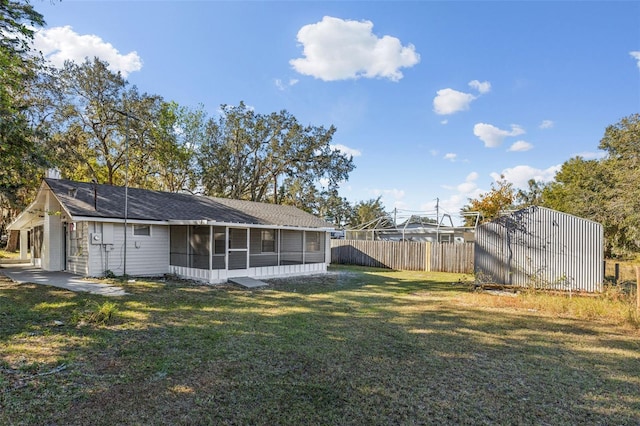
(357, 346)
(9, 254)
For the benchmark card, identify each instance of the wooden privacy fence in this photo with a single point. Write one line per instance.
(404, 255)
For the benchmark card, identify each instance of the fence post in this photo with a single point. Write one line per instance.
(427, 256)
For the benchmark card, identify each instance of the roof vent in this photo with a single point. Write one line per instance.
(73, 192)
(95, 193)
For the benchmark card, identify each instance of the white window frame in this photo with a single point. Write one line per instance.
(272, 240)
(140, 226)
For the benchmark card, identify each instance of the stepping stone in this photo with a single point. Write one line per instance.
(247, 282)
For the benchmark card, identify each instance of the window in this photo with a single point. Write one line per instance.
(313, 241)
(268, 241)
(75, 239)
(142, 230)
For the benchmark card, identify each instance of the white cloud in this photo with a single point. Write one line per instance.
(449, 101)
(520, 175)
(338, 49)
(546, 124)
(434, 152)
(59, 44)
(454, 204)
(450, 156)
(467, 187)
(463, 191)
(281, 85)
(346, 150)
(636, 55)
(493, 136)
(520, 146)
(482, 87)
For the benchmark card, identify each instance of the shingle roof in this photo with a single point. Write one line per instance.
(143, 204)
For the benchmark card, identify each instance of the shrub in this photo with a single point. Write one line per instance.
(103, 314)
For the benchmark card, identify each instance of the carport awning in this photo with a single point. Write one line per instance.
(26, 220)
(30, 217)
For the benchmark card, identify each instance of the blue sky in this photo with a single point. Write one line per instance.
(435, 100)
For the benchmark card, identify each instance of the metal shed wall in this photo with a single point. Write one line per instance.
(540, 247)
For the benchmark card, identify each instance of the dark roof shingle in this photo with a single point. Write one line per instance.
(143, 204)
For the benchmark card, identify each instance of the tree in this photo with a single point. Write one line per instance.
(272, 158)
(606, 190)
(365, 212)
(621, 141)
(532, 196)
(16, 27)
(490, 204)
(22, 153)
(334, 208)
(177, 139)
(578, 188)
(103, 126)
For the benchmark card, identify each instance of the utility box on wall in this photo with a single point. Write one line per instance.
(107, 233)
(95, 238)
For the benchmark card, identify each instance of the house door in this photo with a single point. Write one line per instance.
(238, 251)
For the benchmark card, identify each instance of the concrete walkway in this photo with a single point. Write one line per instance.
(26, 273)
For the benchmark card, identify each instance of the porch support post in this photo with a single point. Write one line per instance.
(279, 234)
(248, 246)
(327, 248)
(210, 252)
(227, 244)
(304, 246)
(52, 239)
(24, 244)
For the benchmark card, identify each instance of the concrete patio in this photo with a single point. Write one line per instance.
(27, 273)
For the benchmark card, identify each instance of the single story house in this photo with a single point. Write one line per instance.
(95, 230)
(541, 248)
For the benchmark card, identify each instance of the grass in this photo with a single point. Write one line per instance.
(357, 346)
(626, 271)
(4, 254)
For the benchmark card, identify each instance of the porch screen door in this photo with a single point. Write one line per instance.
(238, 248)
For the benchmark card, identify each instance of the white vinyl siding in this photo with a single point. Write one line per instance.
(146, 255)
(149, 255)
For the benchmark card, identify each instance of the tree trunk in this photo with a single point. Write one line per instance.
(14, 240)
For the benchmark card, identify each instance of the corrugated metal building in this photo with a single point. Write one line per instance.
(542, 248)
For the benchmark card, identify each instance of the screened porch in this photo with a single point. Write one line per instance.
(215, 253)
